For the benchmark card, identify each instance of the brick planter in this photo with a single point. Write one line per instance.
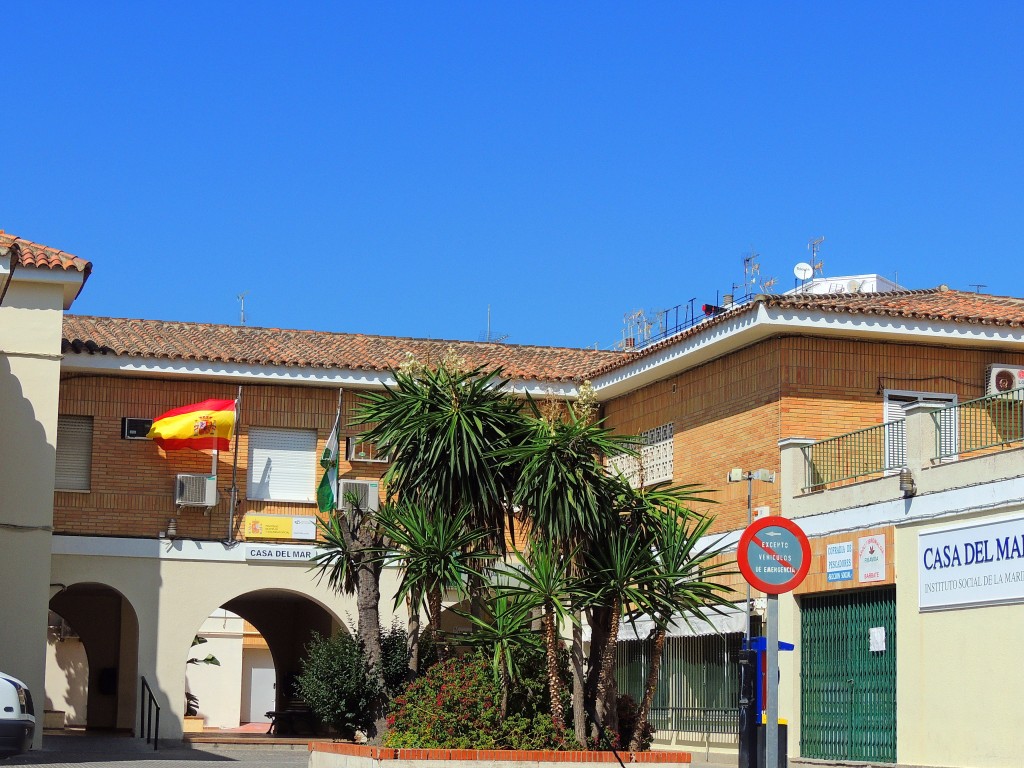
(337, 755)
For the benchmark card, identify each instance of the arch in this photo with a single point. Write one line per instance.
(285, 622)
(107, 625)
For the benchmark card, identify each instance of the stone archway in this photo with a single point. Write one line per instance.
(107, 626)
(258, 638)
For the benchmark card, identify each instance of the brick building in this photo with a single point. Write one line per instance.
(762, 384)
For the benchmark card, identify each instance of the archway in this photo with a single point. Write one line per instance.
(104, 676)
(258, 640)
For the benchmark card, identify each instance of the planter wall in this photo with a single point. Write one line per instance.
(335, 755)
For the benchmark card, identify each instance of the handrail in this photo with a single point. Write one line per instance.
(146, 706)
(974, 425)
(867, 451)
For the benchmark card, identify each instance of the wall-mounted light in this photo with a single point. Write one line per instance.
(172, 528)
(907, 484)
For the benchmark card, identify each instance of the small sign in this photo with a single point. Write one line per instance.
(774, 555)
(871, 558)
(279, 527)
(839, 561)
(279, 553)
(876, 639)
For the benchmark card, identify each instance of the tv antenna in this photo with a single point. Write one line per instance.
(241, 302)
(978, 286)
(493, 339)
(814, 246)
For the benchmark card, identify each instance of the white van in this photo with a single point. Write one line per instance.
(17, 716)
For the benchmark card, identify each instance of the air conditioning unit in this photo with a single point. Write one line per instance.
(362, 493)
(1004, 377)
(196, 491)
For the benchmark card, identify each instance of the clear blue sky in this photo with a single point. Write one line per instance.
(393, 168)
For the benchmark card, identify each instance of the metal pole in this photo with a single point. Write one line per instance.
(771, 742)
(234, 471)
(746, 606)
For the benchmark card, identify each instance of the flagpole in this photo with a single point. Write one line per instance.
(337, 457)
(234, 471)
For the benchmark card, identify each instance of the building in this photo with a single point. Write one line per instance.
(763, 384)
(36, 285)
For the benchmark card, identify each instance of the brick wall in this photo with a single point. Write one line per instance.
(132, 481)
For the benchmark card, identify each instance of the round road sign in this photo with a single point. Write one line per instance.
(774, 555)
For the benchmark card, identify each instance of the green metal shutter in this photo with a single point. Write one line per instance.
(848, 691)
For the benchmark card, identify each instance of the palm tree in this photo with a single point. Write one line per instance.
(505, 628)
(686, 570)
(441, 426)
(435, 552)
(543, 581)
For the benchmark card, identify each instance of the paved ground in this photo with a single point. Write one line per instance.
(118, 752)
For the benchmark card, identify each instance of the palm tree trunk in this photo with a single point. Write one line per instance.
(554, 679)
(413, 640)
(652, 686)
(579, 713)
(434, 601)
(606, 689)
(598, 617)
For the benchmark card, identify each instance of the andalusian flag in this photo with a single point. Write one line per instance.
(208, 424)
(329, 461)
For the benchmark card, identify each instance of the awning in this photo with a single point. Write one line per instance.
(708, 622)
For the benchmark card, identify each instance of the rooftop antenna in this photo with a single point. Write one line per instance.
(814, 246)
(489, 338)
(241, 302)
(751, 271)
(978, 286)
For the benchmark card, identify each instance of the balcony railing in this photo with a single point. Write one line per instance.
(866, 452)
(975, 425)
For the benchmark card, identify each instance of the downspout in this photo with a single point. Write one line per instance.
(15, 252)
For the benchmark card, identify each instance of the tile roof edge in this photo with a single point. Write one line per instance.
(270, 329)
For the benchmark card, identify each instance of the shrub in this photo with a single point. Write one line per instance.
(628, 711)
(335, 682)
(456, 705)
(394, 647)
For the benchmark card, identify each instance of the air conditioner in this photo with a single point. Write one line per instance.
(1003, 377)
(196, 491)
(364, 493)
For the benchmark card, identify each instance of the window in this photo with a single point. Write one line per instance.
(359, 449)
(656, 459)
(896, 402)
(282, 464)
(74, 453)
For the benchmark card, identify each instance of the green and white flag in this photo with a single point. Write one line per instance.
(329, 461)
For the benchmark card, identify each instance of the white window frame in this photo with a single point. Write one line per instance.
(282, 465)
(894, 403)
(73, 471)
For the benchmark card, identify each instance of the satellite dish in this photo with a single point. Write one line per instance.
(853, 286)
(803, 270)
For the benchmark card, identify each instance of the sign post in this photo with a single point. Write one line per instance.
(774, 557)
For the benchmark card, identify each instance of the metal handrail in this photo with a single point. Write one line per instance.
(985, 422)
(868, 451)
(147, 705)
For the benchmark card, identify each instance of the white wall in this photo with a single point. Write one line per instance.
(218, 686)
(67, 678)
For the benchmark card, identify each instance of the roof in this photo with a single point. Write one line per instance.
(36, 255)
(247, 345)
(940, 304)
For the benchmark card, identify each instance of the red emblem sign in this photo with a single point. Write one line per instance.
(774, 555)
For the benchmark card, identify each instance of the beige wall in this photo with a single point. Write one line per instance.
(959, 674)
(218, 686)
(67, 678)
(30, 330)
(174, 597)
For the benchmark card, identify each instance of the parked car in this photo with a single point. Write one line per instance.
(17, 716)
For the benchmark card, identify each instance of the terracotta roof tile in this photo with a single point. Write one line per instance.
(34, 255)
(935, 304)
(246, 345)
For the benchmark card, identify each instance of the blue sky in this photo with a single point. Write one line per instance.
(396, 168)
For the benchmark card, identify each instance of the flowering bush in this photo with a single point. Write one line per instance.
(456, 705)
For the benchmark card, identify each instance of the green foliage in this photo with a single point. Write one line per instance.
(394, 646)
(455, 705)
(336, 682)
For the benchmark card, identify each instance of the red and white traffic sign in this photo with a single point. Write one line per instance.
(774, 555)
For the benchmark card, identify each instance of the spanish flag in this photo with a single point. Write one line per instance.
(208, 424)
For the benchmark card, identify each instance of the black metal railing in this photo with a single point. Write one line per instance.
(149, 727)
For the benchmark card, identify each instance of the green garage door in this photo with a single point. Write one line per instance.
(848, 690)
